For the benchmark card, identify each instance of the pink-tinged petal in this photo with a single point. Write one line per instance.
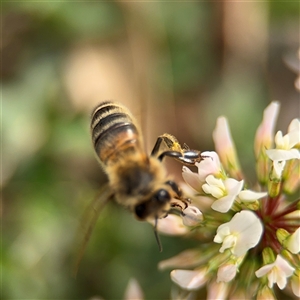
(186, 259)
(264, 140)
(226, 272)
(226, 149)
(264, 270)
(284, 266)
(171, 225)
(192, 179)
(294, 126)
(294, 132)
(280, 154)
(189, 280)
(209, 165)
(133, 290)
(192, 216)
(217, 290)
(265, 131)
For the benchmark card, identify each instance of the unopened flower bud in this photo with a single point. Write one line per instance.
(192, 216)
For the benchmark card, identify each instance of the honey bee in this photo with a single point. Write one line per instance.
(137, 181)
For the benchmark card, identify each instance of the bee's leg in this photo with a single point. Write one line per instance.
(184, 155)
(174, 154)
(169, 140)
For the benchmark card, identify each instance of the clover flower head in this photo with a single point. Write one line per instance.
(244, 230)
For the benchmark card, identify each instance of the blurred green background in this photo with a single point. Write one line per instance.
(177, 66)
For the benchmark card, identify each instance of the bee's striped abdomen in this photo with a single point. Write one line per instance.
(113, 131)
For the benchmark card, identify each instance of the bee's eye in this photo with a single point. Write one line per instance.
(140, 210)
(162, 196)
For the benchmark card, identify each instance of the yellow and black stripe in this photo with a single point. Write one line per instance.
(113, 131)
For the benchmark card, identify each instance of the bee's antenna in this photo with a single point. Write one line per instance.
(157, 236)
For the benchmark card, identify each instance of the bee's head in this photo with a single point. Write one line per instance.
(157, 206)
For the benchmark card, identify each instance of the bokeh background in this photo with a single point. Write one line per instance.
(177, 66)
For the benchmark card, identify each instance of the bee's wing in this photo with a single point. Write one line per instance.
(88, 223)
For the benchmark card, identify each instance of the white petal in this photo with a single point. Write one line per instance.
(192, 179)
(233, 186)
(228, 242)
(264, 270)
(223, 204)
(284, 266)
(189, 280)
(212, 180)
(265, 131)
(280, 154)
(293, 242)
(279, 141)
(209, 165)
(248, 195)
(248, 238)
(278, 167)
(222, 231)
(249, 229)
(277, 272)
(226, 272)
(294, 126)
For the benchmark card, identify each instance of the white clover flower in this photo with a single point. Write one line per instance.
(285, 144)
(225, 191)
(239, 235)
(190, 280)
(277, 272)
